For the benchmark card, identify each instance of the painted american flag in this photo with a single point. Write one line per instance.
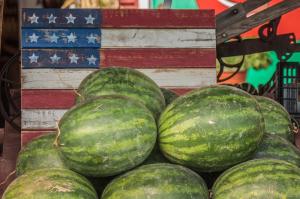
(176, 48)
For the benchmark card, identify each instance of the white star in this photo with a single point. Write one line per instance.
(52, 19)
(53, 38)
(73, 59)
(33, 19)
(90, 19)
(72, 38)
(55, 59)
(33, 38)
(71, 19)
(92, 60)
(33, 58)
(91, 38)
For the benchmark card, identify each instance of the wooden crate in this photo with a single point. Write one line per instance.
(175, 48)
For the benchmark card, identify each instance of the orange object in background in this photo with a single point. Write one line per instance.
(129, 4)
(289, 22)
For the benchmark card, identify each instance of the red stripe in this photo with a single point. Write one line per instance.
(57, 99)
(158, 18)
(27, 136)
(159, 58)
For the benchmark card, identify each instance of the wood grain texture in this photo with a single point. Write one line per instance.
(64, 38)
(132, 58)
(28, 136)
(41, 118)
(59, 99)
(122, 18)
(158, 38)
(71, 78)
(121, 38)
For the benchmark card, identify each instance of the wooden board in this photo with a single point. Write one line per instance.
(71, 78)
(133, 58)
(47, 99)
(119, 38)
(122, 18)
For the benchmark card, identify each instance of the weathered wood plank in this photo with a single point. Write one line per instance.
(121, 18)
(119, 38)
(60, 58)
(61, 38)
(59, 99)
(71, 78)
(158, 38)
(41, 118)
(61, 18)
(28, 136)
(133, 58)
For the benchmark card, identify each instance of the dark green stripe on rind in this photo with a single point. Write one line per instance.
(106, 136)
(276, 147)
(50, 184)
(277, 119)
(123, 81)
(169, 95)
(159, 181)
(38, 154)
(211, 128)
(259, 179)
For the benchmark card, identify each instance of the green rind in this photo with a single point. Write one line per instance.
(169, 95)
(259, 179)
(38, 154)
(276, 147)
(156, 156)
(106, 136)
(277, 119)
(211, 129)
(50, 184)
(123, 81)
(157, 181)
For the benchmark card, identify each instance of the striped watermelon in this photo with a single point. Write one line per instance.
(259, 179)
(276, 147)
(106, 136)
(169, 95)
(50, 184)
(211, 129)
(38, 154)
(123, 81)
(157, 181)
(277, 119)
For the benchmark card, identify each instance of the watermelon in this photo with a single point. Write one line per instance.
(157, 181)
(259, 179)
(277, 119)
(276, 147)
(38, 154)
(169, 95)
(123, 81)
(211, 129)
(50, 184)
(106, 136)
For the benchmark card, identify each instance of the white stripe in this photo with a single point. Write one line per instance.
(158, 38)
(71, 78)
(41, 118)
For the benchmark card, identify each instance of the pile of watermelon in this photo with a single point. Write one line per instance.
(126, 138)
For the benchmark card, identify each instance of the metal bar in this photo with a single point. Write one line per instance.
(250, 46)
(243, 25)
(238, 12)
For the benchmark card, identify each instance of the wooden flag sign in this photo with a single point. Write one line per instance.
(60, 47)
